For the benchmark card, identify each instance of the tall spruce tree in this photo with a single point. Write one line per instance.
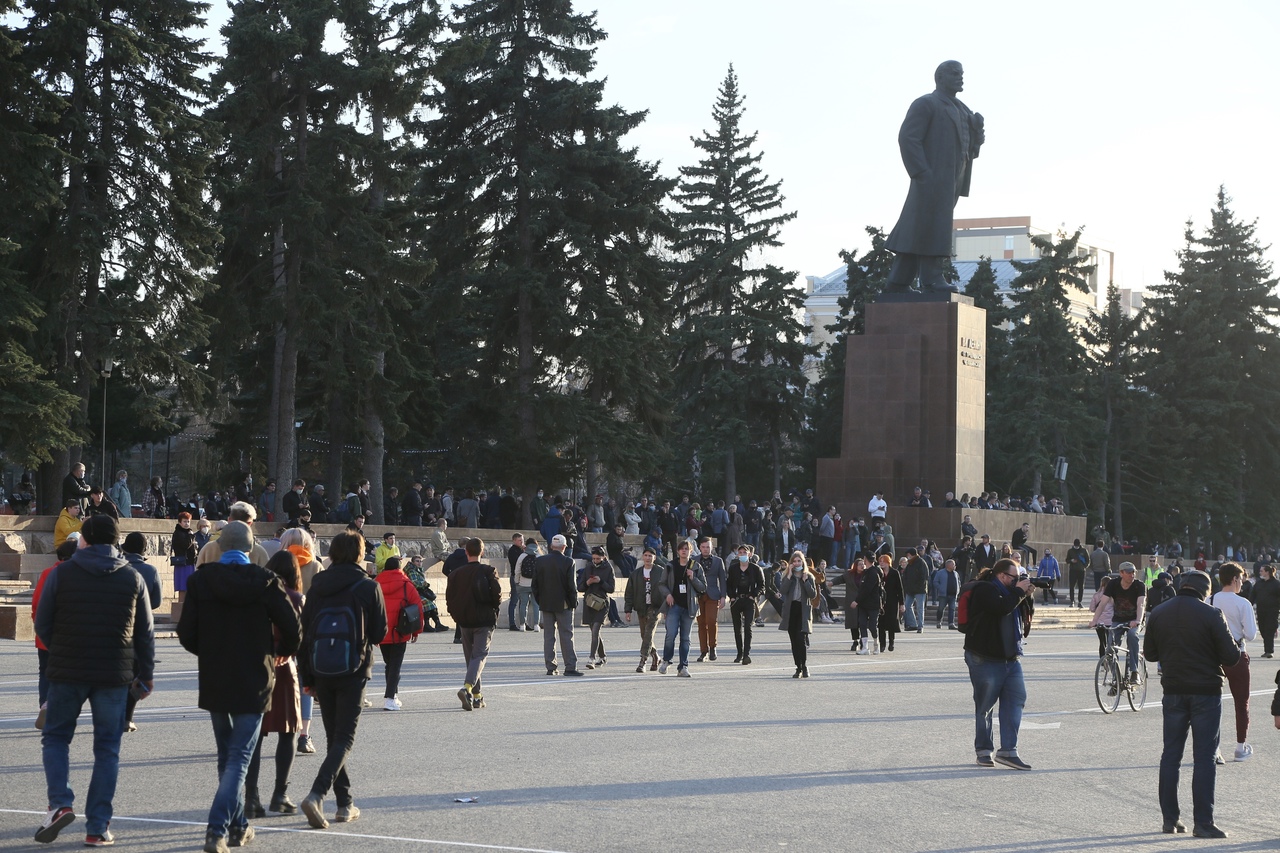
(1123, 415)
(729, 213)
(117, 266)
(1039, 395)
(533, 208)
(37, 412)
(1213, 361)
(865, 277)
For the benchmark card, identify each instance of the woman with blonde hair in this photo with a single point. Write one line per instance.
(797, 588)
(299, 542)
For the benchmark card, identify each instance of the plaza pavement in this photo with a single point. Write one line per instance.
(870, 754)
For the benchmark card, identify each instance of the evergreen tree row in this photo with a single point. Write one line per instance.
(378, 236)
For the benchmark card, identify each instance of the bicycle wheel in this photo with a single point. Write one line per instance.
(1138, 694)
(1106, 684)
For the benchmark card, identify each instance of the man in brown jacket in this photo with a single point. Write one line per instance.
(472, 596)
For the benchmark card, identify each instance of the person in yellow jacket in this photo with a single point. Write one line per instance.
(386, 550)
(68, 522)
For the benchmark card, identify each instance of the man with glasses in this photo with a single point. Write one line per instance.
(992, 648)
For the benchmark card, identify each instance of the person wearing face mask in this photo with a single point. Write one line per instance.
(595, 582)
(643, 598)
(538, 508)
(710, 602)
(797, 588)
(295, 500)
(631, 520)
(744, 585)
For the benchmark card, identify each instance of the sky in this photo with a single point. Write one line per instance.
(1122, 118)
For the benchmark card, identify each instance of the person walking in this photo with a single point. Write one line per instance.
(596, 583)
(870, 603)
(134, 550)
(1077, 562)
(94, 618)
(743, 588)
(399, 594)
(710, 602)
(992, 652)
(233, 613)
(643, 599)
(798, 588)
(892, 603)
(1192, 643)
(1240, 621)
(344, 616)
(473, 597)
(1266, 598)
(284, 717)
(682, 583)
(557, 595)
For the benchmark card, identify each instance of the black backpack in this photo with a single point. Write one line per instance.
(338, 635)
(526, 564)
(409, 622)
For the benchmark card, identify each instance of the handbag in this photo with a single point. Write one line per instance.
(409, 622)
(595, 601)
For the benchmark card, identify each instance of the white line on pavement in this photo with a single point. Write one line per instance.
(259, 828)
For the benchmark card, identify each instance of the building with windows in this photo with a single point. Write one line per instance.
(1003, 239)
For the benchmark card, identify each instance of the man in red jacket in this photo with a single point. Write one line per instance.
(472, 596)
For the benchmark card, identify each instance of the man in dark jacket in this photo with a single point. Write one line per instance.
(74, 488)
(555, 588)
(227, 621)
(992, 648)
(95, 620)
(744, 584)
(1191, 641)
(472, 596)
(343, 586)
(412, 506)
(915, 586)
(133, 550)
(683, 584)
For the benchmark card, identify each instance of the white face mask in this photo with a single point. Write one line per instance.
(539, 494)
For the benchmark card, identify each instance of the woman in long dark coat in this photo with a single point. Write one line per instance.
(893, 603)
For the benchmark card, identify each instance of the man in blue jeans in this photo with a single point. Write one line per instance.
(95, 618)
(682, 582)
(1192, 643)
(227, 620)
(992, 648)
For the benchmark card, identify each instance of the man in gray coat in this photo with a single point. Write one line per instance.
(939, 140)
(555, 588)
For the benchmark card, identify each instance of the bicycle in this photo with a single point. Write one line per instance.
(1108, 678)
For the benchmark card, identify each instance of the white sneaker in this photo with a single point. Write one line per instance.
(683, 672)
(391, 705)
(591, 664)
(1243, 752)
(875, 649)
(864, 651)
(662, 668)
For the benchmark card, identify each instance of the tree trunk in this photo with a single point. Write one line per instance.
(284, 394)
(374, 447)
(333, 473)
(527, 433)
(730, 476)
(775, 446)
(1102, 463)
(1118, 496)
(279, 286)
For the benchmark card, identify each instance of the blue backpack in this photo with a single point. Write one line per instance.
(337, 636)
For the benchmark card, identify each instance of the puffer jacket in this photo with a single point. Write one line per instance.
(1191, 641)
(397, 589)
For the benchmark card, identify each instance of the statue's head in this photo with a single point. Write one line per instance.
(949, 77)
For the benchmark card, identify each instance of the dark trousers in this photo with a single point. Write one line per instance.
(795, 632)
(1075, 585)
(340, 702)
(286, 748)
(1202, 717)
(1238, 682)
(42, 659)
(393, 657)
(511, 613)
(1267, 624)
(744, 615)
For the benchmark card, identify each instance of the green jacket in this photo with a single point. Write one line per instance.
(634, 597)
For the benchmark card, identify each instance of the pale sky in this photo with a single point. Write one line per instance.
(1122, 117)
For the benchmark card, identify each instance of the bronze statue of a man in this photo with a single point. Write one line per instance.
(939, 139)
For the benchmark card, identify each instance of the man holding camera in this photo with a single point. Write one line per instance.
(992, 648)
(683, 581)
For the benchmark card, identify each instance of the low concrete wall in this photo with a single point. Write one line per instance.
(910, 525)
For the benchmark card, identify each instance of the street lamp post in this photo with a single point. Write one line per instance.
(106, 374)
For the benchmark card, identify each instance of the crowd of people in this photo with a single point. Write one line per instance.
(246, 601)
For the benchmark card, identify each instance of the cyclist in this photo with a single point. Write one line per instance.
(1128, 597)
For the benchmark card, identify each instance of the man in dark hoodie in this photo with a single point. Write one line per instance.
(227, 620)
(473, 596)
(95, 620)
(1192, 643)
(342, 588)
(133, 550)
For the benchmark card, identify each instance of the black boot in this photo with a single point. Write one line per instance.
(252, 804)
(280, 802)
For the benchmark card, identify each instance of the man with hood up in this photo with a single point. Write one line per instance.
(95, 620)
(227, 620)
